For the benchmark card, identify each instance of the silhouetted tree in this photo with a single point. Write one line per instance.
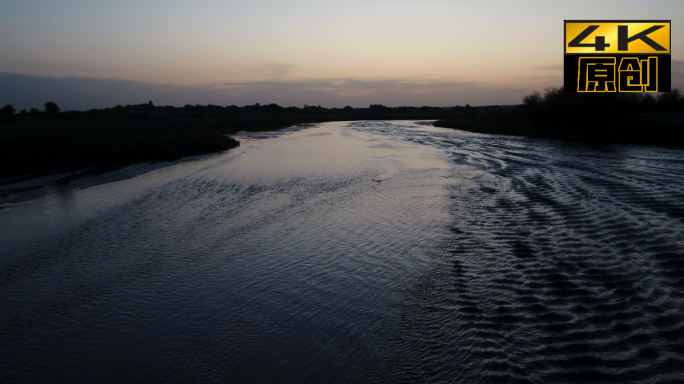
(468, 111)
(531, 100)
(51, 107)
(34, 112)
(8, 110)
(377, 107)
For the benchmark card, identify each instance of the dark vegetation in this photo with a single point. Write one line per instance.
(38, 141)
(636, 118)
(48, 141)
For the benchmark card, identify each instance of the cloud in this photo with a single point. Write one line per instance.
(78, 93)
(70, 66)
(545, 77)
(278, 70)
(270, 70)
(553, 67)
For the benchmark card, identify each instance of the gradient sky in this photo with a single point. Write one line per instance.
(89, 54)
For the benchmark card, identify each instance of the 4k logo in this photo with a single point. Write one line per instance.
(617, 56)
(606, 37)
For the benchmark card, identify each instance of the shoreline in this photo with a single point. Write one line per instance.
(29, 186)
(668, 133)
(24, 188)
(68, 140)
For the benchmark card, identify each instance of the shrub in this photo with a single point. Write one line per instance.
(51, 107)
(8, 110)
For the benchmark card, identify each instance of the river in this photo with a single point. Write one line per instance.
(382, 251)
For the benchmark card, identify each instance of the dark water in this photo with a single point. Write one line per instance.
(356, 252)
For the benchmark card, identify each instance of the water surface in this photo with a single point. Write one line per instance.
(356, 252)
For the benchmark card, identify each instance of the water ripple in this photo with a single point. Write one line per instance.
(372, 252)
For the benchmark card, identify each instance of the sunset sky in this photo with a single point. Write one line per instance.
(88, 54)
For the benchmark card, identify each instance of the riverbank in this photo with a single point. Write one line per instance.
(663, 129)
(41, 144)
(23, 188)
(624, 118)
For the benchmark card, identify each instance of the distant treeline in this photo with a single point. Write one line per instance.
(639, 118)
(48, 139)
(252, 114)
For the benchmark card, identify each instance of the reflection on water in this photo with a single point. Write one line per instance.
(356, 252)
